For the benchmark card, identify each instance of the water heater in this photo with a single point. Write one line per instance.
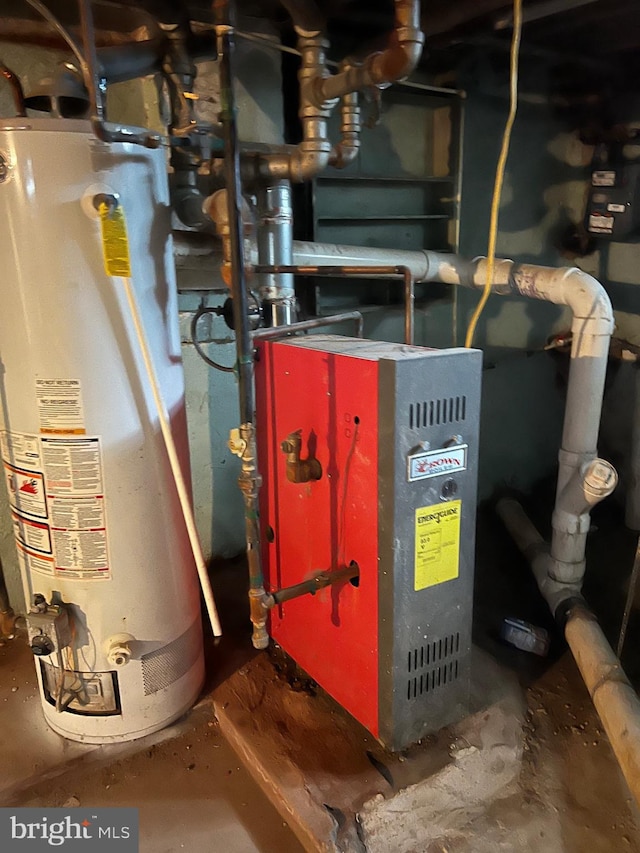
(108, 574)
(392, 431)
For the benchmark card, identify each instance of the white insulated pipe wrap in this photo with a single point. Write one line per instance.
(615, 699)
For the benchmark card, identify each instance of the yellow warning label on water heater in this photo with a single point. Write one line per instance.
(437, 544)
(115, 244)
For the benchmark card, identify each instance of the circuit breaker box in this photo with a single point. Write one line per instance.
(393, 430)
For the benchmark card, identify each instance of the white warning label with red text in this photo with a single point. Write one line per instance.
(56, 494)
(75, 493)
(60, 406)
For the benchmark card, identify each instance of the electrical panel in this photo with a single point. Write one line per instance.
(613, 201)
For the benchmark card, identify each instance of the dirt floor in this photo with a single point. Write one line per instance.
(191, 791)
(194, 794)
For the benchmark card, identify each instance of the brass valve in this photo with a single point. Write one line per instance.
(299, 470)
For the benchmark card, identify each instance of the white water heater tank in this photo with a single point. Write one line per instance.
(103, 548)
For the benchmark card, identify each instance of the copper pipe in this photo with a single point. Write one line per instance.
(349, 271)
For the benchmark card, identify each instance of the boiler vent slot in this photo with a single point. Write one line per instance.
(446, 410)
(163, 666)
(432, 665)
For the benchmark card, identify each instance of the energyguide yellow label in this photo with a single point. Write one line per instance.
(115, 244)
(437, 544)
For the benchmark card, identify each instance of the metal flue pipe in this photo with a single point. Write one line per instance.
(243, 440)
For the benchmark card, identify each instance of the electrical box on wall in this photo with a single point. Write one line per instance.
(613, 201)
(392, 432)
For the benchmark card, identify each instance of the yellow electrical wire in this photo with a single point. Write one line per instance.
(500, 170)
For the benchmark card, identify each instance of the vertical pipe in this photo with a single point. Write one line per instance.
(275, 248)
(409, 306)
(244, 444)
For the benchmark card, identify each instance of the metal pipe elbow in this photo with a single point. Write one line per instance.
(307, 160)
(397, 62)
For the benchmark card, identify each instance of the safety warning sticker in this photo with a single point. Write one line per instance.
(57, 500)
(75, 495)
(437, 555)
(60, 406)
(33, 561)
(73, 466)
(26, 490)
(32, 534)
(115, 244)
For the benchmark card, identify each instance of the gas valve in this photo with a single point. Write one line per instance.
(299, 470)
(48, 627)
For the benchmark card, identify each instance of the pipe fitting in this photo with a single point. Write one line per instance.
(258, 611)
(346, 151)
(118, 649)
(379, 69)
(299, 470)
(593, 481)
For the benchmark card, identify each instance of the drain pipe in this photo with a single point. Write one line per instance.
(243, 440)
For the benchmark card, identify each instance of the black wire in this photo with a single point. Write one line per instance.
(202, 310)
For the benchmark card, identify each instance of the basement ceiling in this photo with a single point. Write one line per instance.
(584, 31)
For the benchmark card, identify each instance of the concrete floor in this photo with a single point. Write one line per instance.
(191, 791)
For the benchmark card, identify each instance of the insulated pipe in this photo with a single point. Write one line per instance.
(274, 239)
(243, 441)
(614, 698)
(395, 63)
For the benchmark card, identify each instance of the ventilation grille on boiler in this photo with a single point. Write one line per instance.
(166, 665)
(447, 410)
(432, 666)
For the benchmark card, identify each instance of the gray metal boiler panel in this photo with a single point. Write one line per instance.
(425, 633)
